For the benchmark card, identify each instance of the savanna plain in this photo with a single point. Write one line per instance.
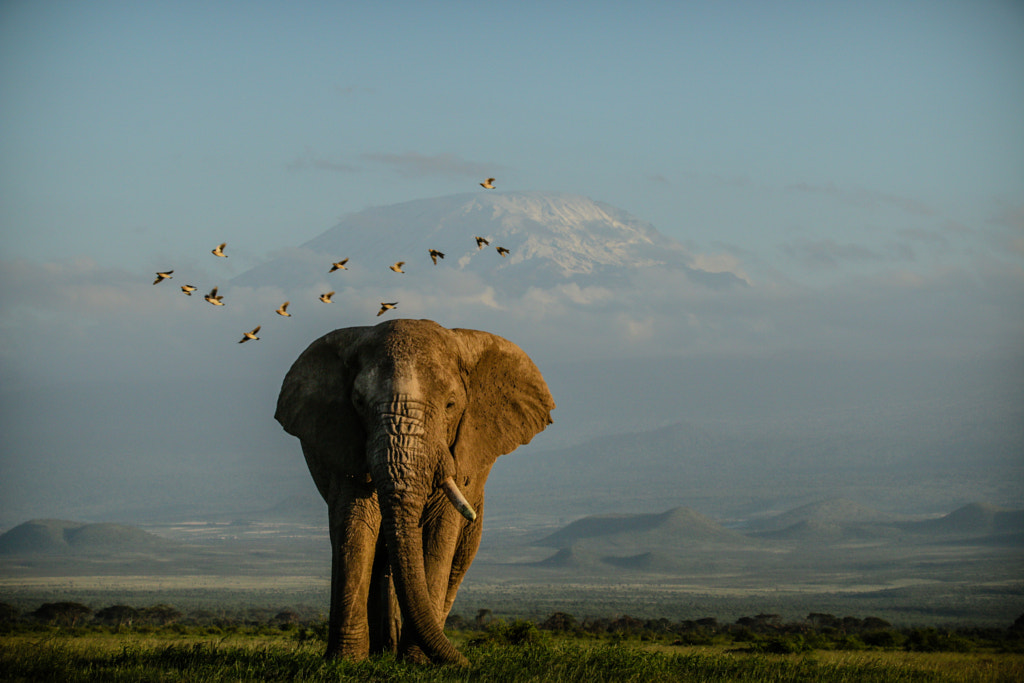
(669, 596)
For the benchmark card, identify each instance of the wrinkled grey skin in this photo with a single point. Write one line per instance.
(384, 415)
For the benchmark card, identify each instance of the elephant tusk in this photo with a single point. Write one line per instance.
(457, 499)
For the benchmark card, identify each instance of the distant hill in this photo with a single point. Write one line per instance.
(831, 512)
(839, 520)
(974, 519)
(651, 561)
(58, 536)
(570, 557)
(666, 529)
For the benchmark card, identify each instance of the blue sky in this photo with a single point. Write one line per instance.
(129, 130)
(860, 164)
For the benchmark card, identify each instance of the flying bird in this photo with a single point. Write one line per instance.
(489, 184)
(481, 242)
(503, 251)
(340, 265)
(284, 310)
(250, 335)
(326, 298)
(160, 277)
(213, 298)
(188, 289)
(434, 255)
(398, 267)
(219, 251)
(384, 307)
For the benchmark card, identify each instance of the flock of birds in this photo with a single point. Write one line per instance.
(217, 299)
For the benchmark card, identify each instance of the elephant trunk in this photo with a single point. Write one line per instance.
(403, 469)
(403, 535)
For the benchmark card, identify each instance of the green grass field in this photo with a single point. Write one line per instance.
(503, 652)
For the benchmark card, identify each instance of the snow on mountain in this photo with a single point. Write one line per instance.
(579, 277)
(552, 238)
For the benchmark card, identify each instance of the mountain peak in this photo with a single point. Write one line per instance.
(551, 237)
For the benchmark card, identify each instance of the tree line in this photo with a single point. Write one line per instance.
(761, 632)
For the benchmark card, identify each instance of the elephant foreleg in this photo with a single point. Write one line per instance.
(355, 524)
(465, 551)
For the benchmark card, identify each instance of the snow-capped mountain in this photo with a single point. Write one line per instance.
(551, 238)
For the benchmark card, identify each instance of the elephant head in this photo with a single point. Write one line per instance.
(411, 409)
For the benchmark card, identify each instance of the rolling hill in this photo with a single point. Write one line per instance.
(676, 526)
(62, 537)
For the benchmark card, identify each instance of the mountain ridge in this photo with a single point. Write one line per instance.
(552, 237)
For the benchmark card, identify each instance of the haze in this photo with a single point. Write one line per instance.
(854, 171)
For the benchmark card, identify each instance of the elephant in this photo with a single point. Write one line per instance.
(400, 424)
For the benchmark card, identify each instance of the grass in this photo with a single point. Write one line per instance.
(75, 655)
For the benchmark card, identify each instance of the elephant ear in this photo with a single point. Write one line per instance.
(508, 401)
(315, 403)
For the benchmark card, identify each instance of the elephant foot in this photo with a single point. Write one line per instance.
(414, 654)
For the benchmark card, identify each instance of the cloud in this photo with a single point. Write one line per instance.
(1007, 230)
(864, 197)
(414, 165)
(826, 253)
(308, 160)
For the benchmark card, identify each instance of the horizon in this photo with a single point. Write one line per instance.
(764, 255)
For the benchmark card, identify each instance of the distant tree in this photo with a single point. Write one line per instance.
(286, 616)
(1018, 625)
(118, 615)
(8, 613)
(559, 621)
(161, 614)
(455, 622)
(875, 624)
(483, 617)
(822, 620)
(64, 613)
(708, 622)
(595, 625)
(626, 624)
(661, 625)
(852, 624)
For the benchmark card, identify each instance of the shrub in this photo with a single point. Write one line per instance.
(933, 640)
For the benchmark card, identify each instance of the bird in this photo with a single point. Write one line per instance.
(250, 335)
(340, 265)
(434, 255)
(384, 307)
(326, 298)
(160, 277)
(488, 184)
(219, 250)
(481, 242)
(398, 267)
(284, 310)
(503, 251)
(188, 289)
(213, 298)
